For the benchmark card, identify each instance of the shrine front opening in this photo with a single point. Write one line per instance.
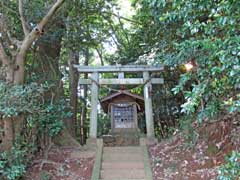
(123, 108)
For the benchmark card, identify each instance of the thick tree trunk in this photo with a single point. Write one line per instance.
(19, 69)
(8, 134)
(74, 77)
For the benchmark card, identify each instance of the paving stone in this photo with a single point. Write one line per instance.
(123, 163)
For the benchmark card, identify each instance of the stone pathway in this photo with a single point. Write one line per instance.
(123, 163)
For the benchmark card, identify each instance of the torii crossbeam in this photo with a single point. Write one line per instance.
(146, 81)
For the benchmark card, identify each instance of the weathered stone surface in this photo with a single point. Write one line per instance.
(123, 174)
(121, 139)
(123, 163)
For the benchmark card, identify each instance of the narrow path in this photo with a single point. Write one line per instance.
(123, 163)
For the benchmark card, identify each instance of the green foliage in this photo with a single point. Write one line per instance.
(204, 33)
(167, 109)
(51, 116)
(104, 124)
(189, 134)
(19, 99)
(230, 170)
(14, 162)
(46, 116)
(44, 176)
(28, 100)
(87, 27)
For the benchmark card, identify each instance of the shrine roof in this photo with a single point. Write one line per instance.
(110, 98)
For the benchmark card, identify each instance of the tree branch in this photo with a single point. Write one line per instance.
(100, 56)
(51, 12)
(8, 8)
(121, 17)
(38, 30)
(23, 21)
(29, 39)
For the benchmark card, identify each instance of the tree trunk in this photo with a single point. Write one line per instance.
(73, 77)
(8, 134)
(15, 69)
(83, 128)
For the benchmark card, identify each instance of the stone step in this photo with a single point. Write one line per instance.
(130, 149)
(122, 155)
(122, 159)
(122, 165)
(122, 179)
(122, 147)
(123, 174)
(123, 151)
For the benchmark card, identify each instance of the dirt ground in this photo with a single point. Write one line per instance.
(62, 164)
(171, 159)
(174, 159)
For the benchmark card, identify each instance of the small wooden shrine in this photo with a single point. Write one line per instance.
(123, 107)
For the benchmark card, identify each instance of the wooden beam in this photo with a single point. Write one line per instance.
(126, 68)
(129, 81)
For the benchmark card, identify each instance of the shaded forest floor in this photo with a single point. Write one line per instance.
(174, 158)
(62, 164)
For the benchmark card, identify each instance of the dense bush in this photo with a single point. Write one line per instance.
(44, 117)
(29, 101)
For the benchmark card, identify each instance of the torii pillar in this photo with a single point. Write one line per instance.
(148, 105)
(94, 103)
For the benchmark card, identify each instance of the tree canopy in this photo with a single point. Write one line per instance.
(197, 41)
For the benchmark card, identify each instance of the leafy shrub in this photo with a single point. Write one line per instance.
(14, 162)
(230, 170)
(51, 116)
(46, 116)
(29, 100)
(18, 99)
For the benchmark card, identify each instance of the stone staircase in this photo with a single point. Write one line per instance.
(124, 138)
(123, 163)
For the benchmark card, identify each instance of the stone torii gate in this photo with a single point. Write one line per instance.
(146, 80)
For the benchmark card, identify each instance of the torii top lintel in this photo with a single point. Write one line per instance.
(122, 68)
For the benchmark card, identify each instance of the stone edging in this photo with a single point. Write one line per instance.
(98, 160)
(147, 166)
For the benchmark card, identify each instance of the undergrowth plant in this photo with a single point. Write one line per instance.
(43, 116)
(189, 133)
(14, 162)
(230, 170)
(104, 124)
